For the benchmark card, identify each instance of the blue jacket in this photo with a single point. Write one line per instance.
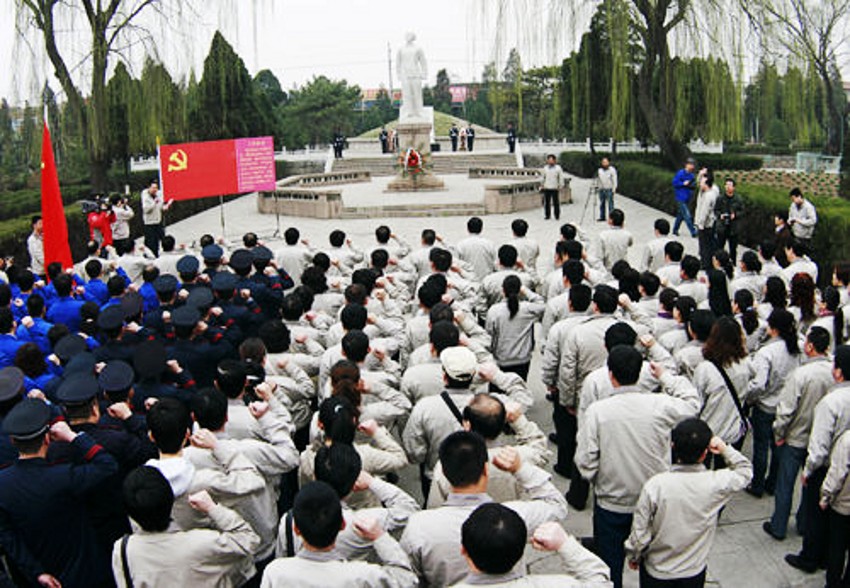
(36, 334)
(96, 291)
(66, 311)
(150, 301)
(9, 345)
(683, 192)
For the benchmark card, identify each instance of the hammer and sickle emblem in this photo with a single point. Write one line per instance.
(178, 161)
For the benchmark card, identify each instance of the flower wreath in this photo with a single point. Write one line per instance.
(412, 161)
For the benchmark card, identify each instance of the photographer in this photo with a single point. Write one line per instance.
(100, 221)
(727, 210)
(121, 221)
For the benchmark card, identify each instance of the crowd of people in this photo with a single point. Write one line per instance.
(241, 416)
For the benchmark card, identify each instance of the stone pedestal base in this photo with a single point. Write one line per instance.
(415, 134)
(421, 182)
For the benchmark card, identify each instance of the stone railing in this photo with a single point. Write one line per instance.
(329, 179)
(508, 198)
(306, 196)
(503, 173)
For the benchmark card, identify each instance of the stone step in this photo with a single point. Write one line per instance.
(438, 210)
(442, 164)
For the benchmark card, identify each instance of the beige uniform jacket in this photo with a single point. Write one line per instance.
(718, 406)
(803, 389)
(480, 253)
(221, 556)
(832, 418)
(432, 537)
(625, 439)
(835, 490)
(583, 351)
(614, 245)
(309, 569)
(580, 568)
(676, 515)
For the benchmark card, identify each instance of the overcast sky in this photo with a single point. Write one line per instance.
(296, 39)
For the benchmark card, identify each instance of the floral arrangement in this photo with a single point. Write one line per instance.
(412, 162)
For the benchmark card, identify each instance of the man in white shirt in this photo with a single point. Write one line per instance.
(121, 225)
(152, 208)
(802, 217)
(606, 177)
(704, 216)
(35, 246)
(477, 251)
(653, 254)
(550, 185)
(614, 242)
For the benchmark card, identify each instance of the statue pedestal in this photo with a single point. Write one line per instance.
(416, 134)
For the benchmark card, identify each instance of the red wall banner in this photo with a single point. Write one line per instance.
(217, 168)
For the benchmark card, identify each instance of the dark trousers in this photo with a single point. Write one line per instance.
(153, 237)
(122, 244)
(647, 581)
(790, 460)
(610, 531)
(762, 446)
(551, 199)
(425, 484)
(470, 142)
(816, 527)
(511, 146)
(566, 427)
(579, 490)
(729, 237)
(837, 571)
(454, 143)
(707, 247)
(521, 370)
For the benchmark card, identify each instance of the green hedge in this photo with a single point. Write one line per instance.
(652, 186)
(586, 164)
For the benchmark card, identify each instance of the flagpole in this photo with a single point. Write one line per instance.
(221, 209)
(161, 185)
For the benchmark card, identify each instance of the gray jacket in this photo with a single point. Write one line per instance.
(835, 490)
(718, 407)
(772, 364)
(606, 452)
(803, 389)
(513, 338)
(832, 418)
(583, 351)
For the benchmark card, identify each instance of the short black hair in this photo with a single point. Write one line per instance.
(365, 277)
(292, 306)
(355, 345)
(618, 217)
(209, 407)
(116, 286)
(662, 225)
(508, 255)
(620, 334)
(625, 363)
(429, 295)
(701, 322)
(356, 294)
(62, 284)
(568, 232)
(441, 258)
(93, 268)
(168, 243)
(519, 227)
(573, 270)
(7, 320)
(475, 225)
(580, 297)
(231, 377)
(691, 266)
(291, 236)
(819, 338)
(382, 234)
(575, 249)
(605, 298)
(317, 513)
(691, 438)
(463, 456)
(650, 283)
(169, 421)
(338, 465)
(380, 259)
(444, 334)
(353, 316)
(429, 236)
(494, 537)
(674, 250)
(441, 312)
(35, 305)
(148, 498)
(767, 248)
(314, 278)
(275, 336)
(842, 360)
(486, 415)
(337, 238)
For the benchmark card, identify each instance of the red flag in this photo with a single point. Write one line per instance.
(56, 246)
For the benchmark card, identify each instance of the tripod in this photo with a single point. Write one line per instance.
(592, 193)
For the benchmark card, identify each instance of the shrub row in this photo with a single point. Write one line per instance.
(586, 164)
(652, 186)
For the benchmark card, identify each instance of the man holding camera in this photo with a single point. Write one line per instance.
(121, 223)
(727, 209)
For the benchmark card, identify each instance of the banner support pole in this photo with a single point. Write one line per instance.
(277, 232)
(221, 209)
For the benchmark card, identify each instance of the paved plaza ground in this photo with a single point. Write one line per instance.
(743, 555)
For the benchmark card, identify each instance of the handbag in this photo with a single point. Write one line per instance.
(746, 425)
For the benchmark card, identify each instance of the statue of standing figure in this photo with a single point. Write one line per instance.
(412, 69)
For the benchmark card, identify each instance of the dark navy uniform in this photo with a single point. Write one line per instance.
(453, 135)
(11, 388)
(384, 136)
(44, 526)
(511, 139)
(470, 138)
(197, 355)
(150, 364)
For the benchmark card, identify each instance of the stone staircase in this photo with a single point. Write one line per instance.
(440, 163)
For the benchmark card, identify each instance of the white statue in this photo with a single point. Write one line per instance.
(412, 69)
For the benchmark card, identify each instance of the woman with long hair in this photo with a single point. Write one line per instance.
(374, 400)
(510, 324)
(802, 297)
(725, 349)
(775, 296)
(721, 260)
(718, 293)
(749, 275)
(831, 317)
(677, 338)
(755, 329)
(772, 363)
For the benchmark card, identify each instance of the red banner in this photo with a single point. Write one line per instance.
(55, 232)
(217, 168)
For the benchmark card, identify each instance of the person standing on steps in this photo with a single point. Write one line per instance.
(152, 207)
(453, 135)
(470, 138)
(383, 136)
(606, 176)
(727, 210)
(553, 179)
(683, 187)
(511, 139)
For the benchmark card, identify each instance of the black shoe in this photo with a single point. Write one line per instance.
(561, 471)
(769, 530)
(545, 218)
(795, 561)
(551, 397)
(575, 505)
(553, 438)
(749, 490)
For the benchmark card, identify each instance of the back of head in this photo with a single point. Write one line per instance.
(322, 261)
(441, 312)
(507, 256)
(355, 346)
(580, 297)
(380, 259)
(382, 234)
(674, 250)
(338, 419)
(168, 243)
(356, 294)
(511, 287)
(486, 415)
(605, 298)
(568, 232)
(337, 238)
(429, 237)
(667, 299)
(725, 344)
(354, 317)
(365, 277)
(690, 266)
(701, 323)
(444, 334)
(317, 513)
(475, 225)
(519, 227)
(751, 261)
(786, 326)
(463, 456)
(63, 283)
(209, 408)
(625, 363)
(690, 441)
(439, 282)
(494, 538)
(94, 268)
(818, 337)
(315, 279)
(662, 225)
(686, 306)
(575, 250)
(429, 295)
(292, 307)
(842, 361)
(169, 422)
(650, 283)
(148, 498)
(573, 271)
(441, 258)
(618, 217)
(231, 377)
(275, 336)
(620, 334)
(338, 465)
(767, 248)
(775, 292)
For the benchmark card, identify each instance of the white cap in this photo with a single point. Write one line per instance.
(459, 363)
